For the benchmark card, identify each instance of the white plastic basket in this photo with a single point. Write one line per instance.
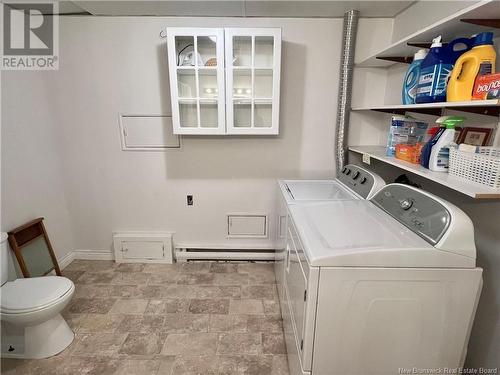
(482, 167)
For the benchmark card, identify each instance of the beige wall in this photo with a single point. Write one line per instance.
(32, 176)
(117, 64)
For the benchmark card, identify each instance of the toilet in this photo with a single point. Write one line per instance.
(30, 313)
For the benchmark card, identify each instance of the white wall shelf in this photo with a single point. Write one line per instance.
(490, 107)
(449, 28)
(471, 189)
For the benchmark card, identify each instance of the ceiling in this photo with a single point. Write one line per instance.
(233, 8)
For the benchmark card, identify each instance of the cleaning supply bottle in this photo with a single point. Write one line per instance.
(425, 155)
(440, 154)
(436, 69)
(411, 78)
(430, 134)
(479, 61)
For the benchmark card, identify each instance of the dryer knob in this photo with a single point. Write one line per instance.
(363, 180)
(406, 204)
(355, 175)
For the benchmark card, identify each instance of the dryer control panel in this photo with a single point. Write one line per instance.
(361, 181)
(419, 212)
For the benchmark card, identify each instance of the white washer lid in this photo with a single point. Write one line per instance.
(358, 234)
(315, 190)
(33, 293)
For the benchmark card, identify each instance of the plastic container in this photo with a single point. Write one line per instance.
(440, 153)
(406, 130)
(437, 132)
(436, 68)
(482, 167)
(411, 78)
(479, 61)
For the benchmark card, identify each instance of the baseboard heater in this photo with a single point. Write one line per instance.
(187, 253)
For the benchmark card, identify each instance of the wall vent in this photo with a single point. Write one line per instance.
(143, 247)
(245, 225)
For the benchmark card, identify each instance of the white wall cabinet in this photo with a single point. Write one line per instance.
(224, 81)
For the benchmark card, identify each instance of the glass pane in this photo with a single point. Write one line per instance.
(186, 83)
(242, 114)
(264, 49)
(242, 83)
(188, 114)
(263, 83)
(207, 51)
(242, 51)
(208, 114)
(263, 115)
(184, 50)
(37, 257)
(208, 83)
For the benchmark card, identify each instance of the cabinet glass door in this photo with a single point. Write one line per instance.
(196, 67)
(253, 58)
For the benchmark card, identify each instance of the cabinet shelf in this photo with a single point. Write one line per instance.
(468, 188)
(239, 67)
(191, 67)
(463, 23)
(490, 107)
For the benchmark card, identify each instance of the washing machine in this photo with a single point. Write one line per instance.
(379, 286)
(353, 183)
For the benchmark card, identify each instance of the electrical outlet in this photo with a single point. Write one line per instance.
(189, 200)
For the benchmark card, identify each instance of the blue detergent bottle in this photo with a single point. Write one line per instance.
(436, 69)
(411, 78)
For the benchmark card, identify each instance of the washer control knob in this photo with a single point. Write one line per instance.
(344, 169)
(348, 172)
(362, 181)
(406, 204)
(355, 175)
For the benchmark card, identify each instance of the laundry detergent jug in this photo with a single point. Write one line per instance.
(411, 78)
(479, 61)
(436, 68)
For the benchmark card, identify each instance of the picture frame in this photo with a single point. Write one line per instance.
(33, 250)
(475, 136)
(458, 134)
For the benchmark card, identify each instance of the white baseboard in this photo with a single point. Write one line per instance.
(85, 254)
(65, 260)
(93, 254)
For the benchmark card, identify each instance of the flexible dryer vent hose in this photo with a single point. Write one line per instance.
(345, 86)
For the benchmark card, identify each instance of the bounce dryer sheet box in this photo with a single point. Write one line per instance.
(487, 87)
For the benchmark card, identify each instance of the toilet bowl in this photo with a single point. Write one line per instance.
(30, 312)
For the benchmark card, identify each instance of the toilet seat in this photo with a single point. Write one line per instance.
(32, 294)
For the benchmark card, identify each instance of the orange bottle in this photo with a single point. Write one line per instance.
(480, 60)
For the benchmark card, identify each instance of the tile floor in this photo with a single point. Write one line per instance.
(203, 318)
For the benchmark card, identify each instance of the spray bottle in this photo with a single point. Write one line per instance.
(440, 154)
(426, 150)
